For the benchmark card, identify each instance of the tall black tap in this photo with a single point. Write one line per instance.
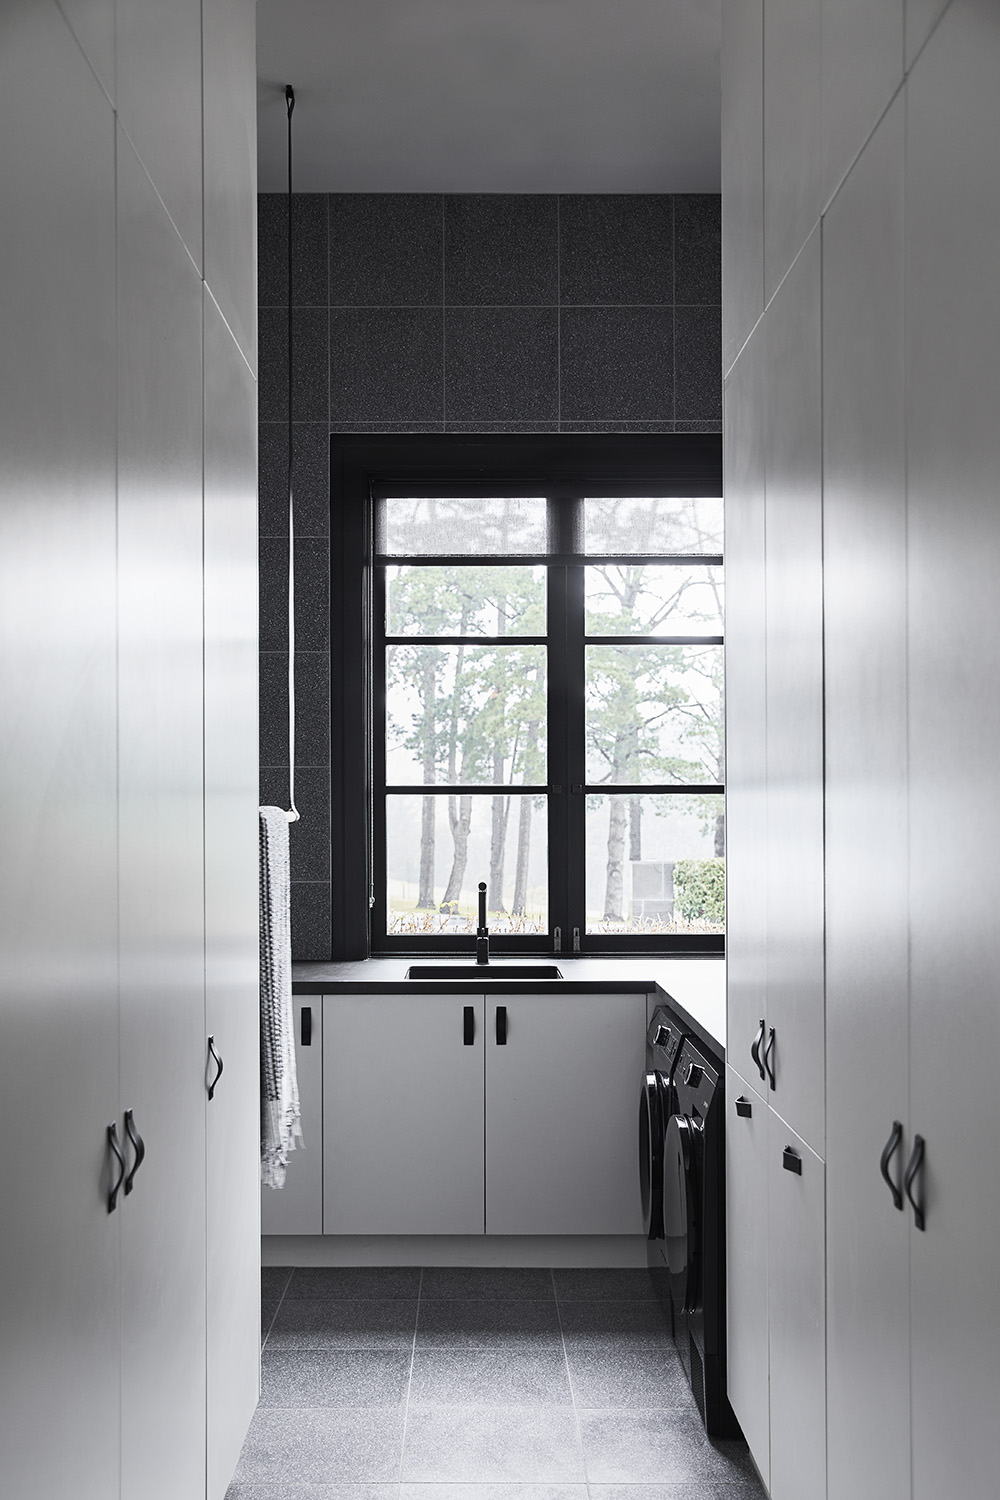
(482, 931)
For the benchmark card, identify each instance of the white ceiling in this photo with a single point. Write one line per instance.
(519, 96)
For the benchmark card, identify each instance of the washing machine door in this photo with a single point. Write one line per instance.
(651, 1125)
(681, 1228)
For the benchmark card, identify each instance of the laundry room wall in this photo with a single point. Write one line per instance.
(452, 313)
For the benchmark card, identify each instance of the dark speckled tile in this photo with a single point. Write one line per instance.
(312, 921)
(604, 1284)
(310, 836)
(463, 1444)
(616, 248)
(312, 593)
(500, 248)
(385, 249)
(367, 427)
(493, 1492)
(317, 1445)
(311, 451)
(697, 426)
(523, 1283)
(354, 1281)
(616, 364)
(311, 376)
(489, 427)
(239, 1490)
(697, 247)
(334, 1377)
(487, 1324)
(654, 427)
(309, 250)
(622, 1377)
(490, 1377)
(501, 363)
(385, 364)
(605, 1324)
(345, 1323)
(312, 708)
(698, 334)
(274, 1280)
(622, 1447)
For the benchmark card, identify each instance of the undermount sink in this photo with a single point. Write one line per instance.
(483, 971)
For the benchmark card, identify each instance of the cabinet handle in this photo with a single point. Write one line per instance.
(910, 1176)
(501, 1025)
(117, 1150)
(307, 1025)
(767, 1056)
(755, 1049)
(219, 1065)
(744, 1107)
(791, 1160)
(138, 1146)
(888, 1151)
(469, 1025)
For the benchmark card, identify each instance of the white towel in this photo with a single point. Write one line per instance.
(279, 1094)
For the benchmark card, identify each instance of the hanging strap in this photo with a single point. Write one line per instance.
(293, 814)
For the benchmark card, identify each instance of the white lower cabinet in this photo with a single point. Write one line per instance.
(297, 1207)
(776, 1295)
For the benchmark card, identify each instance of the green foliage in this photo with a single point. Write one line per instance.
(700, 890)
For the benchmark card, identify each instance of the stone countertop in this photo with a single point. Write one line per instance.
(694, 986)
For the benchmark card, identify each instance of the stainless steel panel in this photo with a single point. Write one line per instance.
(59, 1247)
(297, 1207)
(159, 103)
(862, 62)
(161, 908)
(93, 23)
(953, 452)
(794, 586)
(864, 544)
(792, 136)
(747, 1354)
(230, 106)
(742, 172)
(746, 686)
(231, 887)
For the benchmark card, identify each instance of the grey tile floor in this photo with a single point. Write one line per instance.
(396, 1383)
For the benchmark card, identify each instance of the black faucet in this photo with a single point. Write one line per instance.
(482, 931)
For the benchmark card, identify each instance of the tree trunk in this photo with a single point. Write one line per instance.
(615, 889)
(635, 828)
(428, 683)
(498, 840)
(460, 818)
(426, 896)
(524, 826)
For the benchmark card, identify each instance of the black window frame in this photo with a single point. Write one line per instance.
(563, 467)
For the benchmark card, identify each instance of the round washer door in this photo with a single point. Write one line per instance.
(651, 1154)
(681, 1230)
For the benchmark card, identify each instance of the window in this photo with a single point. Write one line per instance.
(546, 696)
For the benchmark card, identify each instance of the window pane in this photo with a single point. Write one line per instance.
(654, 714)
(655, 864)
(440, 848)
(456, 600)
(666, 524)
(465, 714)
(481, 525)
(643, 599)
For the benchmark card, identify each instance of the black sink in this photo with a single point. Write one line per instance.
(483, 971)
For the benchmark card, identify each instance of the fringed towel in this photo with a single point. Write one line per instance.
(279, 1093)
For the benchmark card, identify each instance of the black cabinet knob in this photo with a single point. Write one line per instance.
(695, 1073)
(744, 1107)
(661, 1036)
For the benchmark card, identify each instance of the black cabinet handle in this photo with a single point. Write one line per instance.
(767, 1056)
(888, 1151)
(755, 1049)
(138, 1146)
(791, 1160)
(501, 1025)
(744, 1107)
(307, 1025)
(117, 1152)
(910, 1176)
(219, 1066)
(469, 1025)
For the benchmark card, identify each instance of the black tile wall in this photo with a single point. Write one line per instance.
(455, 313)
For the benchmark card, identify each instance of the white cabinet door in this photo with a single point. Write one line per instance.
(297, 1207)
(403, 1114)
(797, 1316)
(561, 1146)
(742, 175)
(864, 543)
(746, 1265)
(792, 132)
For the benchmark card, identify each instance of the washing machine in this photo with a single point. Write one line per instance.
(657, 1103)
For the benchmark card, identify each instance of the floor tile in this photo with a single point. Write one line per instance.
(334, 1323)
(469, 1444)
(469, 1324)
(622, 1377)
(334, 1377)
(268, 1308)
(472, 1491)
(489, 1377)
(355, 1281)
(622, 1447)
(240, 1491)
(274, 1280)
(521, 1282)
(604, 1284)
(639, 1324)
(322, 1446)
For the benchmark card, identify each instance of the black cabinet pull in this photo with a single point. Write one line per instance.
(791, 1160)
(501, 1025)
(219, 1066)
(910, 1176)
(744, 1107)
(755, 1049)
(307, 1025)
(767, 1057)
(138, 1146)
(468, 1025)
(888, 1151)
(117, 1151)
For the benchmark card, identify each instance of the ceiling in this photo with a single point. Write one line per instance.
(491, 96)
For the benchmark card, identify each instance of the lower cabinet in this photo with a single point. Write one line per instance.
(776, 1295)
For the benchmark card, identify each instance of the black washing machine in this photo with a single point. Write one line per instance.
(657, 1102)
